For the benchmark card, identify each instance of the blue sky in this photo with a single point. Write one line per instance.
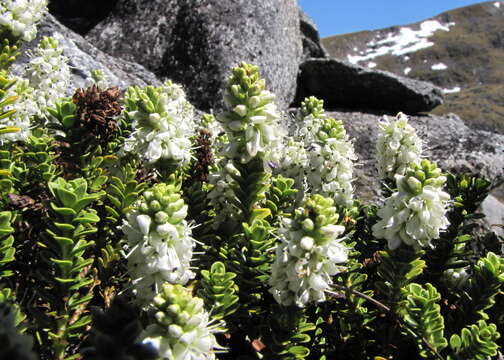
(343, 16)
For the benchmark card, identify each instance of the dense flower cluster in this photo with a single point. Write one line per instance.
(331, 153)
(252, 119)
(163, 123)
(307, 257)
(20, 17)
(222, 196)
(309, 118)
(48, 74)
(182, 330)
(397, 146)
(416, 212)
(331, 163)
(44, 82)
(160, 240)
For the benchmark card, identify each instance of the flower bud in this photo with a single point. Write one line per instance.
(240, 110)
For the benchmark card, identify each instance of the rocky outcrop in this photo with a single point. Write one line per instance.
(447, 140)
(84, 58)
(312, 47)
(195, 42)
(346, 86)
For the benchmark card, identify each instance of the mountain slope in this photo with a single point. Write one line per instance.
(461, 51)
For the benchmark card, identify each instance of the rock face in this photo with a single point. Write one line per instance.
(195, 42)
(346, 86)
(493, 208)
(84, 58)
(312, 47)
(461, 51)
(447, 140)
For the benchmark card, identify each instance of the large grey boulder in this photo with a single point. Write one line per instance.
(312, 47)
(196, 42)
(84, 58)
(346, 86)
(447, 140)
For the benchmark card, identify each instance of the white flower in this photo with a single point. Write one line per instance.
(45, 81)
(160, 241)
(222, 197)
(163, 122)
(331, 157)
(416, 213)
(307, 257)
(48, 75)
(21, 16)
(252, 121)
(182, 330)
(397, 146)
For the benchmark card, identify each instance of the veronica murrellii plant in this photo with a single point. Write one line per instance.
(160, 241)
(251, 120)
(163, 123)
(416, 213)
(309, 254)
(182, 329)
(397, 146)
(331, 153)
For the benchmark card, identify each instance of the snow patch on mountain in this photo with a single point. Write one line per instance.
(456, 89)
(405, 41)
(439, 66)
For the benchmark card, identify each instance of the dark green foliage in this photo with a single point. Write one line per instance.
(397, 269)
(251, 186)
(65, 244)
(6, 296)
(280, 197)
(288, 335)
(477, 342)
(452, 250)
(6, 241)
(422, 313)
(218, 290)
(479, 292)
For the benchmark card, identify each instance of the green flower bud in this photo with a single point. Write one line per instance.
(308, 224)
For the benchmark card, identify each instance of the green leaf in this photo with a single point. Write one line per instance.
(63, 211)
